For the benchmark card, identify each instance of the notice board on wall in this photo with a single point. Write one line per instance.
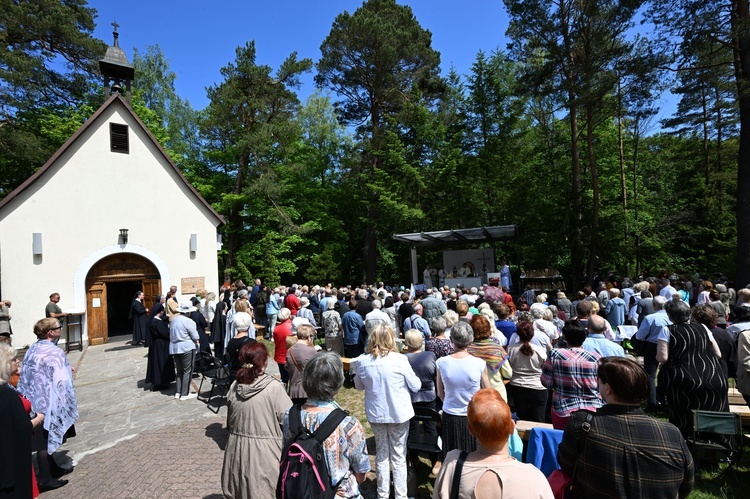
(189, 285)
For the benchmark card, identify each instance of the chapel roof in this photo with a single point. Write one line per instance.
(115, 99)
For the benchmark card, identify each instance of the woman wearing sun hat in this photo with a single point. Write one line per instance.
(183, 341)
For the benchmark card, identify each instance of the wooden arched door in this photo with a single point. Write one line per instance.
(122, 267)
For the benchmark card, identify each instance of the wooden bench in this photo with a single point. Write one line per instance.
(524, 428)
(735, 397)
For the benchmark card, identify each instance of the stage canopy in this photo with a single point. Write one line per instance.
(455, 237)
(458, 236)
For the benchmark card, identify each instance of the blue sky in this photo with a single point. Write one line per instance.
(200, 37)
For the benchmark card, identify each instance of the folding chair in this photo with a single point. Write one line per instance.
(716, 436)
(427, 444)
(421, 443)
(205, 365)
(221, 382)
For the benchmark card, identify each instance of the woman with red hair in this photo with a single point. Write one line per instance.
(256, 404)
(490, 471)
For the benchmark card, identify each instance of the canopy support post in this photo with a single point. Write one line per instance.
(414, 270)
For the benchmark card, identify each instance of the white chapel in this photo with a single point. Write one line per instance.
(107, 215)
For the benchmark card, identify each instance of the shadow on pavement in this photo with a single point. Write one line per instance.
(218, 433)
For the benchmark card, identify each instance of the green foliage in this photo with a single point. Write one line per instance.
(250, 129)
(38, 95)
(34, 34)
(380, 61)
(553, 136)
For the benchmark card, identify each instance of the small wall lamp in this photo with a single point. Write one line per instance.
(124, 236)
(37, 243)
(193, 243)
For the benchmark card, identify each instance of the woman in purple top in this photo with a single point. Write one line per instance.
(438, 344)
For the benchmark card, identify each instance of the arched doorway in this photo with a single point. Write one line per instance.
(111, 284)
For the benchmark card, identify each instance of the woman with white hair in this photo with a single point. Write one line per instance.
(16, 472)
(344, 450)
(281, 332)
(242, 323)
(297, 358)
(459, 376)
(423, 364)
(387, 379)
(542, 323)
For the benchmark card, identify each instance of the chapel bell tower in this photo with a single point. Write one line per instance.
(117, 71)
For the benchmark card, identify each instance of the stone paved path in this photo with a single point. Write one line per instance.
(132, 442)
(135, 443)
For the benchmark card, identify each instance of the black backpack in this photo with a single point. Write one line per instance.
(304, 471)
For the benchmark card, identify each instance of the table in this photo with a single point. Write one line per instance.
(466, 282)
(73, 328)
(524, 428)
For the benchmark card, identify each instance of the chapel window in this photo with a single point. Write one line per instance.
(118, 138)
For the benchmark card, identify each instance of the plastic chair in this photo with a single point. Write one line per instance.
(724, 427)
(542, 447)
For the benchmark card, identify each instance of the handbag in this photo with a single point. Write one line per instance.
(560, 482)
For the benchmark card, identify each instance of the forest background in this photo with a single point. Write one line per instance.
(557, 132)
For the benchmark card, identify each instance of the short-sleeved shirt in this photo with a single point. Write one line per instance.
(571, 373)
(462, 378)
(601, 345)
(439, 346)
(345, 450)
(52, 308)
(527, 369)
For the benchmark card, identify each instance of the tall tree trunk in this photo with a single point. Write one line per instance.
(740, 18)
(371, 229)
(576, 248)
(636, 143)
(706, 143)
(621, 152)
(576, 256)
(234, 234)
(594, 236)
(719, 145)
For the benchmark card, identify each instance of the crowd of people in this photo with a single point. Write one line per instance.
(541, 359)
(477, 357)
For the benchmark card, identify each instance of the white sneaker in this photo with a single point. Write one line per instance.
(189, 396)
(177, 395)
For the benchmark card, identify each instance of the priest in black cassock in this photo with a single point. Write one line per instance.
(219, 329)
(140, 320)
(160, 371)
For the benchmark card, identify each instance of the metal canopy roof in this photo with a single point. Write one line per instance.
(459, 236)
